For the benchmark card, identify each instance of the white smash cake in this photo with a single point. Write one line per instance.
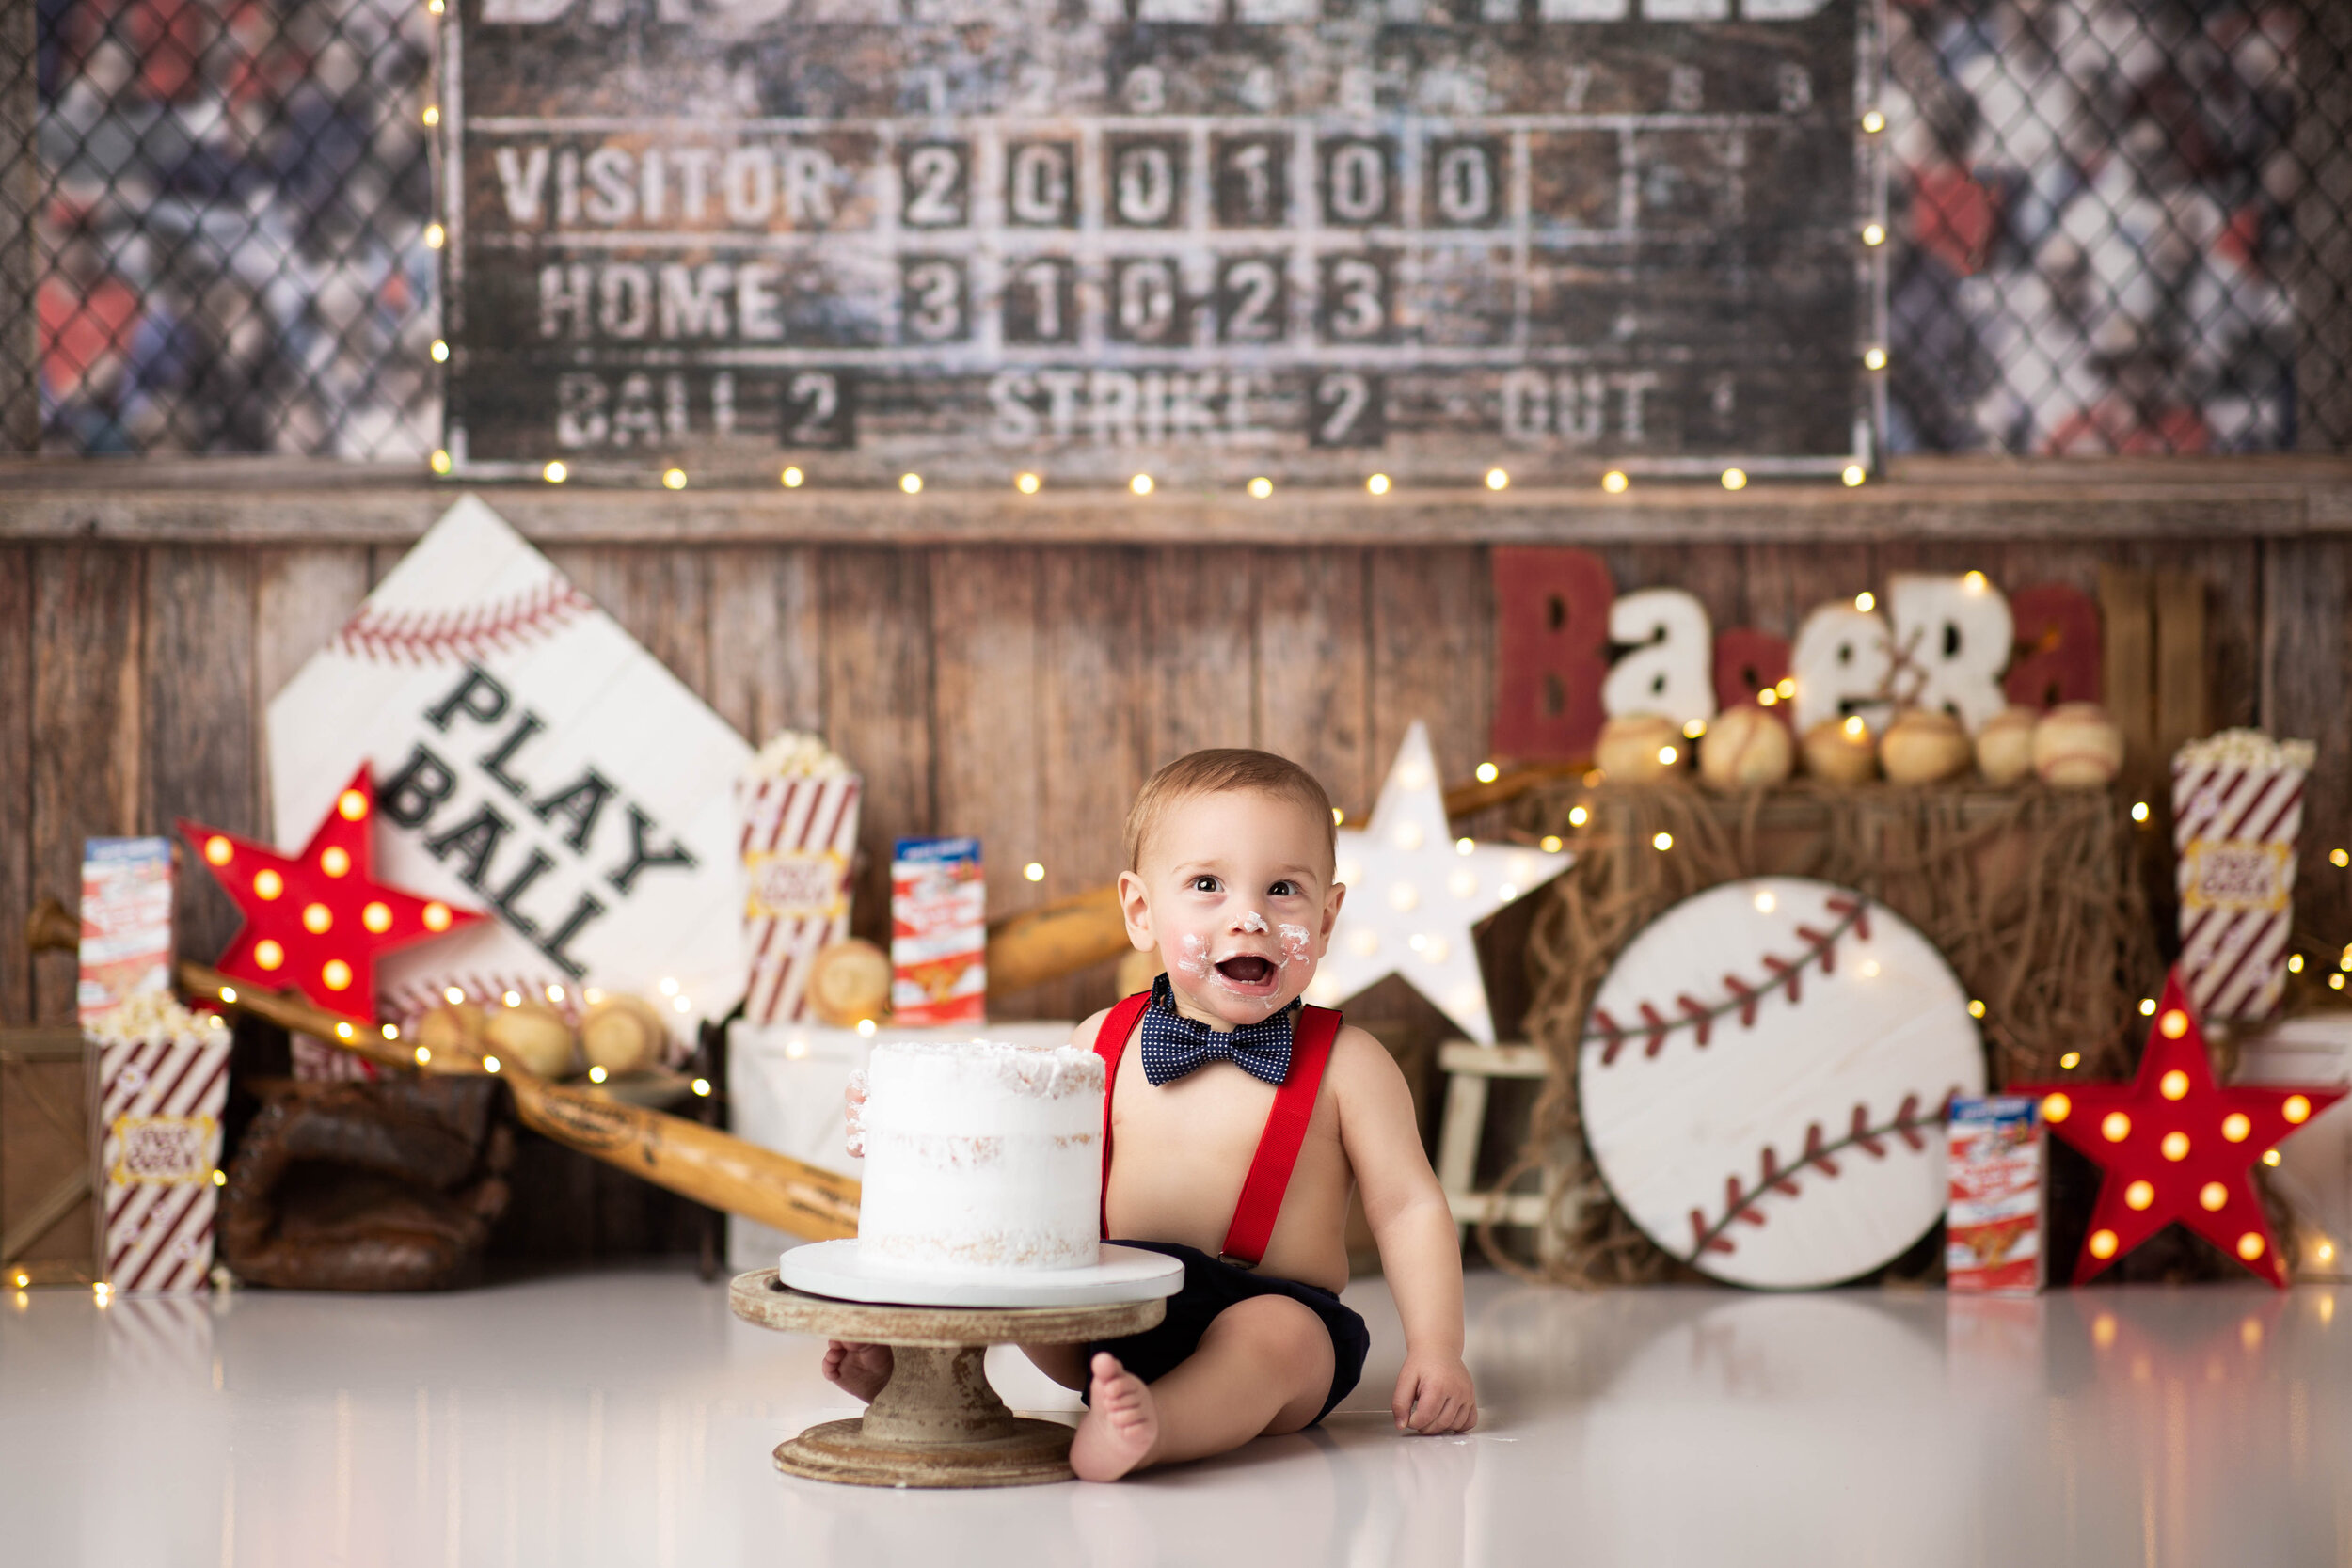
(982, 1160)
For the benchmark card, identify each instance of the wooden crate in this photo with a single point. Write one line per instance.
(48, 1231)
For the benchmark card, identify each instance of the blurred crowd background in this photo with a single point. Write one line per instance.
(2103, 235)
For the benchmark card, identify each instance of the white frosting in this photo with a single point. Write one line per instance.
(981, 1158)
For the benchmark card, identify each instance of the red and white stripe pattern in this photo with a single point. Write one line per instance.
(159, 1142)
(799, 839)
(2236, 828)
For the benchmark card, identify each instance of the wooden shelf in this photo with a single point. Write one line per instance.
(278, 502)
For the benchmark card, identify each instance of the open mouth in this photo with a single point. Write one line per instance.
(1245, 970)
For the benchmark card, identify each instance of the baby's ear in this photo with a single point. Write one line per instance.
(1135, 908)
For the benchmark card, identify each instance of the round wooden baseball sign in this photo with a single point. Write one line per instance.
(1764, 1075)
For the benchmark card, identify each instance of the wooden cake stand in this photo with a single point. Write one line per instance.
(936, 1423)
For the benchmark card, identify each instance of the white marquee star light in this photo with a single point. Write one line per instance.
(1414, 892)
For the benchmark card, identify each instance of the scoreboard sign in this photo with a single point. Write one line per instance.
(1205, 239)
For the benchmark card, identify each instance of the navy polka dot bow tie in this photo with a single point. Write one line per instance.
(1174, 1045)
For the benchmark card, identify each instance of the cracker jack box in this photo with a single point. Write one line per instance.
(126, 923)
(1993, 1227)
(938, 932)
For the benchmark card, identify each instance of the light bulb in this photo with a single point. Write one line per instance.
(2147, 1007)
(596, 1075)
(228, 994)
(555, 473)
(1378, 484)
(1695, 728)
(513, 999)
(1578, 816)
(432, 114)
(793, 479)
(490, 1064)
(1873, 234)
(1614, 481)
(1034, 872)
(2055, 1107)
(1875, 358)
(1735, 478)
(1551, 844)
(1866, 602)
(435, 236)
(1141, 484)
(1027, 483)
(1262, 488)
(1488, 773)
(2140, 811)
(674, 479)
(1873, 121)
(452, 995)
(439, 352)
(910, 483)
(1662, 842)
(2115, 1127)
(1498, 479)
(1463, 846)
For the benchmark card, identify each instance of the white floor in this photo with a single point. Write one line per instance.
(625, 1419)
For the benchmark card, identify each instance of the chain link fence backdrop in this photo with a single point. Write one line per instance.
(2121, 225)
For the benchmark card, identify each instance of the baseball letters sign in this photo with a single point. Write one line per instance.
(532, 761)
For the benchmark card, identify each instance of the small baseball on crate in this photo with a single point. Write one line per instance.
(849, 983)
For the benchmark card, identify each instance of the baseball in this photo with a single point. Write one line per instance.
(1640, 748)
(533, 1035)
(452, 1032)
(623, 1034)
(2076, 746)
(1924, 746)
(2005, 746)
(1763, 1076)
(1839, 751)
(849, 983)
(1745, 748)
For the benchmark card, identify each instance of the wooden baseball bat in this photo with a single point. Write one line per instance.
(1087, 928)
(688, 1158)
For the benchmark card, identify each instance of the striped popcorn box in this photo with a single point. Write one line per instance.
(2237, 810)
(800, 840)
(162, 1083)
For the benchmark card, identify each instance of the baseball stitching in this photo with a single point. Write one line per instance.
(1699, 1017)
(438, 637)
(1744, 1204)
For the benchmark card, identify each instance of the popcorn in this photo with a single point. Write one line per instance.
(153, 1017)
(796, 754)
(2248, 749)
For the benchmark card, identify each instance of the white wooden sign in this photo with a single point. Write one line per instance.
(532, 760)
(1763, 1079)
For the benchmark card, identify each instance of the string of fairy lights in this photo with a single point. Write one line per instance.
(1616, 482)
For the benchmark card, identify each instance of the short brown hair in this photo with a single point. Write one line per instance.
(1218, 771)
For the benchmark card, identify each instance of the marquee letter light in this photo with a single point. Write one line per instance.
(1670, 669)
(1843, 663)
(1953, 638)
(1551, 615)
(2057, 647)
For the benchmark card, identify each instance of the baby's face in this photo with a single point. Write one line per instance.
(1236, 891)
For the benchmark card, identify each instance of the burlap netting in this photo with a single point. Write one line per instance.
(2033, 895)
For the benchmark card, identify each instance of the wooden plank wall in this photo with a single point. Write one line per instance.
(1019, 693)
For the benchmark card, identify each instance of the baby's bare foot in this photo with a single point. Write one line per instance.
(861, 1369)
(1122, 1423)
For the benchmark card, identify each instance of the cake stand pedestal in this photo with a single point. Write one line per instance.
(936, 1423)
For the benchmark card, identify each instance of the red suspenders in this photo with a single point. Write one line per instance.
(1269, 1174)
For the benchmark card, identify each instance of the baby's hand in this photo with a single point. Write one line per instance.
(853, 1114)
(1434, 1396)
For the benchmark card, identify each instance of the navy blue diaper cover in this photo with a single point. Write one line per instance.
(1211, 1286)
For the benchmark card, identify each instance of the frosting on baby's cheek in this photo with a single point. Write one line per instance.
(1194, 961)
(1296, 942)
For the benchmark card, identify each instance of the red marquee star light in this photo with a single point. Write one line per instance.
(318, 921)
(2175, 1146)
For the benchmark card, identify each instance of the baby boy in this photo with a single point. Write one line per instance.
(1238, 1122)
